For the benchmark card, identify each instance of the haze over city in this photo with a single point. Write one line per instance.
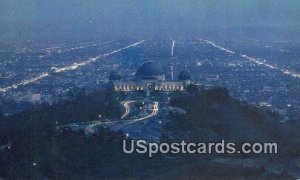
(141, 18)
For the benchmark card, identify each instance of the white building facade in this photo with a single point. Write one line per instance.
(150, 77)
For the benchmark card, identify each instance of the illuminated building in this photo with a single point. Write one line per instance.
(150, 77)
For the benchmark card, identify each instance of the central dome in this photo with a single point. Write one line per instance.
(149, 69)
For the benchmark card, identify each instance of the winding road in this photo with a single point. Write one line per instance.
(127, 105)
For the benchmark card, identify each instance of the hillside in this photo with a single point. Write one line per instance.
(38, 150)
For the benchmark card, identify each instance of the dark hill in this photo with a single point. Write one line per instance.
(211, 115)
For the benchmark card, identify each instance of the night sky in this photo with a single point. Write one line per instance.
(20, 19)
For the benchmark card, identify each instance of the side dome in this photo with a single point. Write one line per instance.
(114, 76)
(149, 69)
(184, 75)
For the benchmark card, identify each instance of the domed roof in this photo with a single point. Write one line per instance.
(114, 76)
(184, 75)
(149, 69)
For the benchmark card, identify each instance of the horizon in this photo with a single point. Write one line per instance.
(61, 20)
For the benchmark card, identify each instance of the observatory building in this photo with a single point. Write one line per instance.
(150, 77)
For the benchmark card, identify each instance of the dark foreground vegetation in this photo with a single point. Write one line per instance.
(38, 150)
(212, 115)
